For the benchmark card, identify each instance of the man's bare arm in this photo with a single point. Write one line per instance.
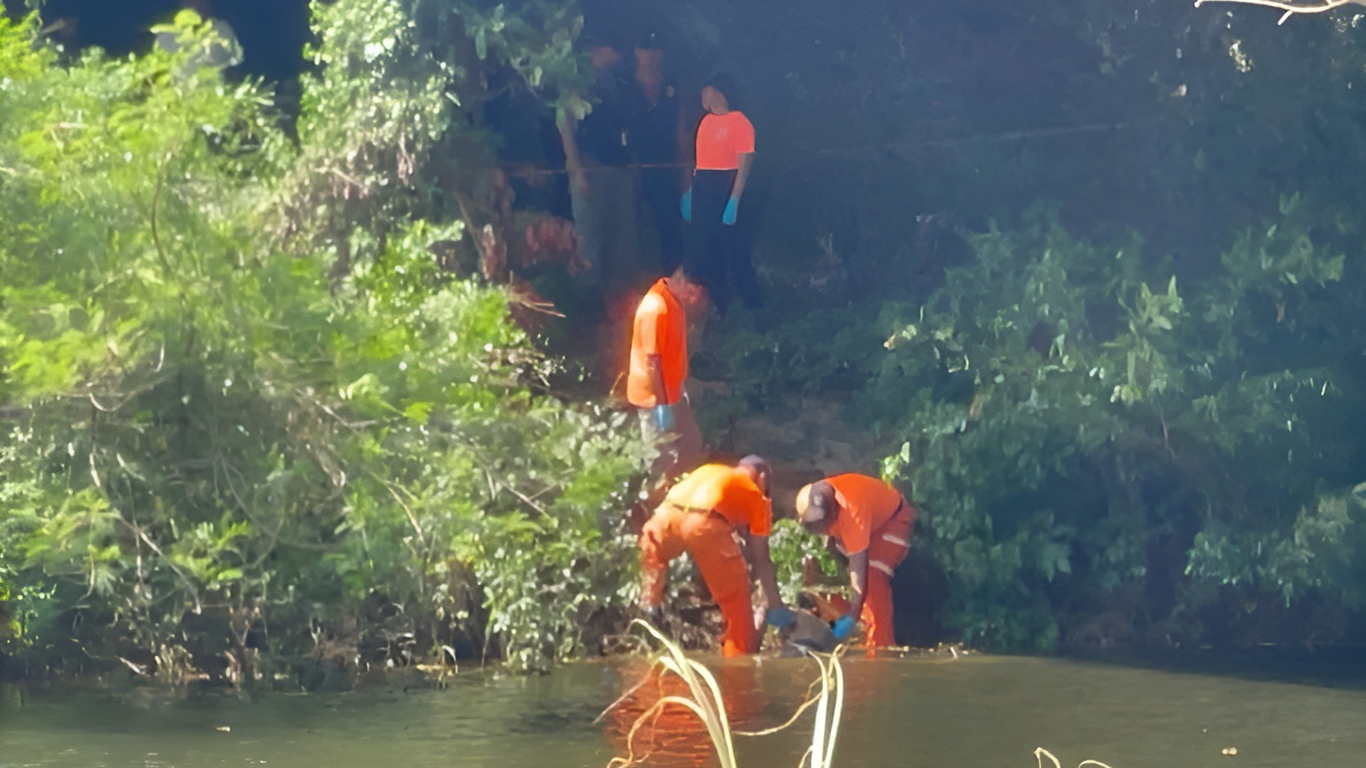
(858, 579)
(742, 175)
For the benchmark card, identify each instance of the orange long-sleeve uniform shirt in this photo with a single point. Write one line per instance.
(699, 516)
(874, 517)
(660, 328)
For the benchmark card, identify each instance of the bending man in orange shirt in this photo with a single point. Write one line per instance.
(699, 517)
(870, 523)
(658, 370)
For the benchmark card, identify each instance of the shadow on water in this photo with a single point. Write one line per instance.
(1326, 666)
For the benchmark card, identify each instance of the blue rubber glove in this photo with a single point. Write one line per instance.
(842, 627)
(732, 211)
(779, 618)
(685, 205)
(664, 417)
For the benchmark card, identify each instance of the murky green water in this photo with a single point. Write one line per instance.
(976, 711)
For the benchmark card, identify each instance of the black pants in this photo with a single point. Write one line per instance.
(718, 251)
(659, 186)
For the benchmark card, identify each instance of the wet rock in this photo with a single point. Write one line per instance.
(807, 633)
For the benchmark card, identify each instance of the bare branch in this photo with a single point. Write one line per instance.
(1290, 9)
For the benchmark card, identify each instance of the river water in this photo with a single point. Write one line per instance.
(974, 711)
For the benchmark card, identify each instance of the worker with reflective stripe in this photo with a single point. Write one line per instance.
(699, 516)
(724, 154)
(870, 523)
(658, 370)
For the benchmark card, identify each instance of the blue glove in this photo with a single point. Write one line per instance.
(842, 627)
(779, 618)
(664, 417)
(685, 205)
(732, 211)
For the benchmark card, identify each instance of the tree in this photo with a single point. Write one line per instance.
(219, 456)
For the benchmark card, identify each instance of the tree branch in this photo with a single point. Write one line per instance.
(1290, 8)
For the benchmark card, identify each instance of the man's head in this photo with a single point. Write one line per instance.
(817, 507)
(602, 55)
(719, 93)
(759, 472)
(648, 49)
(691, 296)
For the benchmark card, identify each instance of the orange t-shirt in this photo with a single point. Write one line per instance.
(661, 329)
(728, 491)
(721, 139)
(866, 504)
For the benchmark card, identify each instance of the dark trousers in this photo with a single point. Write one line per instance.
(659, 186)
(718, 254)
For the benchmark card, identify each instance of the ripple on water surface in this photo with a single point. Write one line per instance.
(975, 711)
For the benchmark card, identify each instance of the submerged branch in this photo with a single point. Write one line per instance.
(1290, 8)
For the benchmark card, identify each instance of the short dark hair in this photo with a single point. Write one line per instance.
(723, 82)
(755, 462)
(759, 466)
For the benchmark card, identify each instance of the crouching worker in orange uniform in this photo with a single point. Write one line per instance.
(699, 516)
(870, 523)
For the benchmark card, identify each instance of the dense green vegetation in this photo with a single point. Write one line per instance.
(1132, 415)
(267, 408)
(1104, 455)
(244, 407)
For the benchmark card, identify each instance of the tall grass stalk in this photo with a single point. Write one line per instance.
(1040, 753)
(822, 750)
(705, 701)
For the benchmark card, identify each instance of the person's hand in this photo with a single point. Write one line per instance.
(780, 617)
(685, 205)
(664, 417)
(842, 627)
(732, 211)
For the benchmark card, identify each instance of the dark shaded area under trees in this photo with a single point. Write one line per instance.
(1086, 279)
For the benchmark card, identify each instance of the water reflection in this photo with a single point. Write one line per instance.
(670, 735)
(917, 713)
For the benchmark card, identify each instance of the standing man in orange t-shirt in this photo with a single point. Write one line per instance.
(724, 155)
(698, 517)
(870, 523)
(655, 381)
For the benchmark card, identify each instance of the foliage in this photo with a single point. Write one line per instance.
(790, 547)
(214, 446)
(1065, 423)
(1101, 456)
(411, 76)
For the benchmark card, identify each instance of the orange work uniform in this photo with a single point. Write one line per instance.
(660, 328)
(698, 517)
(722, 139)
(874, 517)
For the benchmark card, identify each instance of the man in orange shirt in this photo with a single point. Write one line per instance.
(870, 523)
(699, 516)
(724, 155)
(658, 370)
